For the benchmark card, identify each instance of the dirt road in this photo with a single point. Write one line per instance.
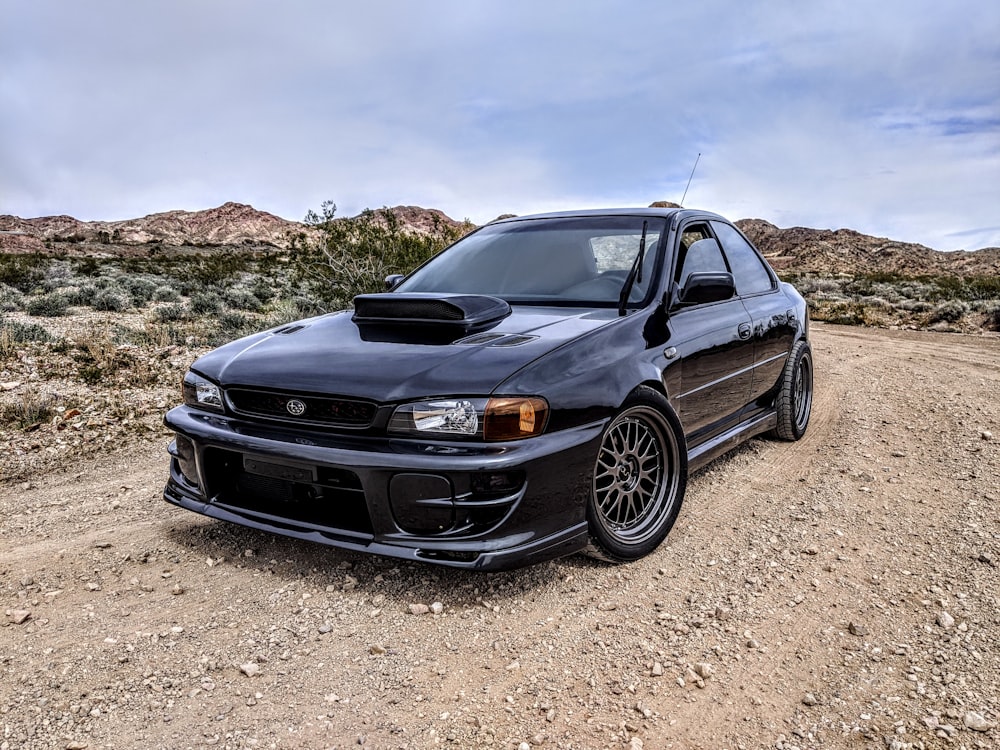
(838, 592)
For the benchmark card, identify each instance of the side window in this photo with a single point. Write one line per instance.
(749, 271)
(698, 253)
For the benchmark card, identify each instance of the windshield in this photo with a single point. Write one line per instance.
(578, 260)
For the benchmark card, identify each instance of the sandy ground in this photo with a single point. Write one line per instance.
(838, 592)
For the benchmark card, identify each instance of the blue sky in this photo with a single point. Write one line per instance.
(883, 118)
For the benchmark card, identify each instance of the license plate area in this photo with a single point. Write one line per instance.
(284, 471)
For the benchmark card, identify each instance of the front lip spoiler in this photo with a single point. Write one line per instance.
(565, 542)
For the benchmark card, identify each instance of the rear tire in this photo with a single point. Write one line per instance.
(639, 479)
(795, 393)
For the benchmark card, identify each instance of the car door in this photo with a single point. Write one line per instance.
(771, 315)
(713, 343)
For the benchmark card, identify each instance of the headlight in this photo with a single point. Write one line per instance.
(201, 393)
(485, 419)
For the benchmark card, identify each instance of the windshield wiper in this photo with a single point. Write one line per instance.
(635, 273)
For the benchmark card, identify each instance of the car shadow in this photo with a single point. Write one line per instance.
(399, 582)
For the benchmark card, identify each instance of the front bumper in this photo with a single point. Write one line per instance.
(486, 506)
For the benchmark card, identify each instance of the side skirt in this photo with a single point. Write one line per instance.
(726, 441)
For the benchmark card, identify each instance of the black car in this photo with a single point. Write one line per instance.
(541, 387)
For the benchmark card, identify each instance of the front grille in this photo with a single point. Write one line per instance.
(306, 409)
(325, 499)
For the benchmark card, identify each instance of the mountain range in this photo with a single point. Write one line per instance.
(239, 226)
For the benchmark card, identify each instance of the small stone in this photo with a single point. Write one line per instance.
(977, 722)
(419, 609)
(437, 608)
(376, 650)
(812, 549)
(524, 746)
(19, 616)
(250, 669)
(855, 629)
(93, 586)
(177, 590)
(325, 628)
(704, 669)
(945, 620)
(657, 669)
(77, 745)
(513, 665)
(635, 744)
(987, 558)
(986, 435)
(809, 699)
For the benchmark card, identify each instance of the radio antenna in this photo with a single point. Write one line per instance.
(689, 178)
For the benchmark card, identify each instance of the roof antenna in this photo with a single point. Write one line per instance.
(689, 178)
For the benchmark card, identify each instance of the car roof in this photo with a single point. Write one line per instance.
(666, 213)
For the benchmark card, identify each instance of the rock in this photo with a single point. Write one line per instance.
(986, 435)
(419, 609)
(437, 608)
(657, 669)
(945, 620)
(524, 746)
(635, 744)
(809, 699)
(376, 650)
(250, 669)
(177, 590)
(704, 669)
(855, 629)
(18, 616)
(977, 722)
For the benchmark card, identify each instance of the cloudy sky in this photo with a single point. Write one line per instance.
(881, 117)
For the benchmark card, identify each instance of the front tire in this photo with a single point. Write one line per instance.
(639, 479)
(795, 393)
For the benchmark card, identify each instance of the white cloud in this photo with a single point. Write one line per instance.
(880, 118)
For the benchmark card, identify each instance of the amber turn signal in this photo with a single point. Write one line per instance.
(514, 418)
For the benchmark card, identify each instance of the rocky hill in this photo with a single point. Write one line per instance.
(236, 225)
(229, 225)
(844, 251)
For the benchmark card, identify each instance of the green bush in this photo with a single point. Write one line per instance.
(242, 299)
(139, 289)
(112, 300)
(166, 294)
(170, 313)
(23, 272)
(205, 303)
(951, 311)
(10, 299)
(49, 305)
(353, 256)
(19, 333)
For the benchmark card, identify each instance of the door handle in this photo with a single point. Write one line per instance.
(744, 330)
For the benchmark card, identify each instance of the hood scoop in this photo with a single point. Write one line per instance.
(426, 318)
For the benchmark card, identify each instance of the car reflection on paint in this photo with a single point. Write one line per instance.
(542, 387)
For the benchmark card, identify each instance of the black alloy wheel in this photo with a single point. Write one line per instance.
(795, 393)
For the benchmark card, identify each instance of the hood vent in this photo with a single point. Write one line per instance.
(288, 330)
(453, 314)
(496, 339)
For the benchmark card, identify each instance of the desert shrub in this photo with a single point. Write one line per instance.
(354, 255)
(949, 312)
(80, 295)
(23, 272)
(237, 324)
(166, 294)
(10, 299)
(49, 305)
(139, 289)
(88, 267)
(205, 303)
(916, 306)
(58, 274)
(29, 409)
(242, 299)
(993, 317)
(262, 289)
(14, 332)
(170, 313)
(112, 300)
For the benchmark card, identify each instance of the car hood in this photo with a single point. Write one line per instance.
(330, 354)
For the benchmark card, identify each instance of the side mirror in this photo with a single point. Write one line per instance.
(702, 288)
(392, 280)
